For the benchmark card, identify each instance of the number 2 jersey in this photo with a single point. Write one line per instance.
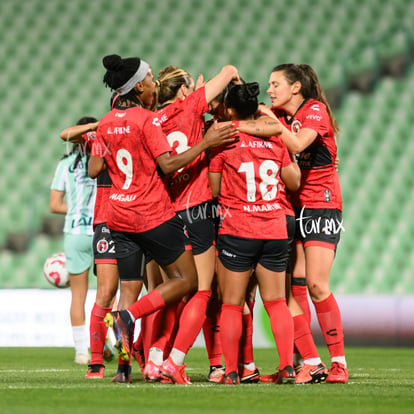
(129, 141)
(182, 122)
(249, 196)
(319, 183)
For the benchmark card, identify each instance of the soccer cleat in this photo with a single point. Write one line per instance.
(138, 355)
(165, 380)
(232, 378)
(297, 363)
(108, 353)
(337, 374)
(248, 376)
(121, 323)
(175, 372)
(82, 359)
(216, 374)
(152, 372)
(298, 367)
(95, 371)
(123, 375)
(312, 374)
(286, 375)
(269, 378)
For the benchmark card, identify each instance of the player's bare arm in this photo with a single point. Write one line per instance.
(57, 203)
(95, 166)
(217, 134)
(74, 133)
(214, 179)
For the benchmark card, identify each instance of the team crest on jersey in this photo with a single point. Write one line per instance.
(296, 126)
(102, 246)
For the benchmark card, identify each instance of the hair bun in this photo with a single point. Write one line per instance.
(252, 89)
(113, 63)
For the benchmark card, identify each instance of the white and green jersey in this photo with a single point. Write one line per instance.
(80, 192)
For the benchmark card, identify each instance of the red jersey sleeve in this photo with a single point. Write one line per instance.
(99, 148)
(317, 118)
(156, 141)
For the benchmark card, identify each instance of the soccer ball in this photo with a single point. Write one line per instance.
(55, 270)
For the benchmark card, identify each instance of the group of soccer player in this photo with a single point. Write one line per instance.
(203, 212)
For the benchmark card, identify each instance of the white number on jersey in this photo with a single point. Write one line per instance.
(268, 170)
(124, 162)
(179, 139)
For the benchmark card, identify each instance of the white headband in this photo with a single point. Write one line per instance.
(138, 76)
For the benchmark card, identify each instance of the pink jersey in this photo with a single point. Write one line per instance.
(320, 183)
(249, 193)
(183, 122)
(129, 141)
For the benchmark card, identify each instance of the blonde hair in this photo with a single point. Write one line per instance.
(169, 80)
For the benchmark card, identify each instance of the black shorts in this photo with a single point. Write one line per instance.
(130, 257)
(240, 254)
(319, 227)
(291, 226)
(200, 227)
(164, 243)
(103, 246)
(216, 216)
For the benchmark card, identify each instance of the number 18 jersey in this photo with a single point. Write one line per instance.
(249, 196)
(129, 141)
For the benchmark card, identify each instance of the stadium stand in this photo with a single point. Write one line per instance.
(50, 64)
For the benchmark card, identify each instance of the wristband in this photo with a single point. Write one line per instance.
(89, 136)
(236, 124)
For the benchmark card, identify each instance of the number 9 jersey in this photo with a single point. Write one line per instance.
(249, 197)
(130, 140)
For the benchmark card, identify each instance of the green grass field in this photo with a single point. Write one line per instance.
(45, 380)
